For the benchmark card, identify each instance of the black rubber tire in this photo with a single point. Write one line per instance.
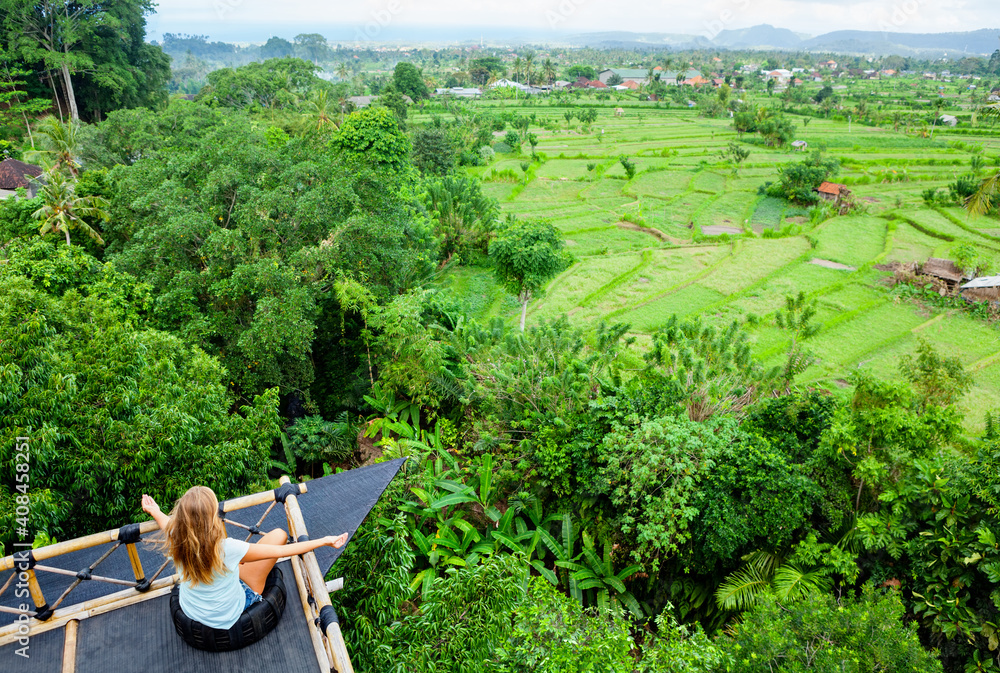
(256, 621)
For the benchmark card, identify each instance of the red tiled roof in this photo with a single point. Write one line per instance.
(830, 188)
(597, 84)
(14, 174)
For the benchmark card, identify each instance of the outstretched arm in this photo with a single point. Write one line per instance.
(150, 507)
(259, 552)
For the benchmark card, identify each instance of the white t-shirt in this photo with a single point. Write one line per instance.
(218, 605)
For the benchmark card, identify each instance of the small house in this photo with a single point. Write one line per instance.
(948, 120)
(800, 145)
(16, 174)
(831, 191)
(986, 288)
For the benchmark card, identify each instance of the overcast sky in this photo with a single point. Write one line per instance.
(255, 20)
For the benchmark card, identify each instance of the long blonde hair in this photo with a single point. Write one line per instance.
(194, 536)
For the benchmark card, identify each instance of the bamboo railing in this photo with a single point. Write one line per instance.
(47, 617)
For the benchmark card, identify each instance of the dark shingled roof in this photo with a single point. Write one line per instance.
(14, 174)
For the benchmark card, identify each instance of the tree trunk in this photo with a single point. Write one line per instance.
(74, 114)
(66, 231)
(55, 95)
(524, 311)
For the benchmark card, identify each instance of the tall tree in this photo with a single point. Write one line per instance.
(526, 255)
(406, 79)
(102, 42)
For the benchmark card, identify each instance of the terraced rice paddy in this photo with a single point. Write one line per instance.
(687, 236)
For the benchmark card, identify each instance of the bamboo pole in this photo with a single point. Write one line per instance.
(335, 639)
(42, 553)
(314, 636)
(53, 550)
(91, 608)
(69, 646)
(133, 557)
(36, 591)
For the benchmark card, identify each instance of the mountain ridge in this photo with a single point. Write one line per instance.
(981, 42)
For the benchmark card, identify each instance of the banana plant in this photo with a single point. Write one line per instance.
(400, 417)
(513, 532)
(562, 549)
(597, 573)
(455, 543)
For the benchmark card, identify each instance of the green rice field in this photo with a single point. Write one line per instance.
(687, 236)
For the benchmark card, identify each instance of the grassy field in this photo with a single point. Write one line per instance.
(686, 235)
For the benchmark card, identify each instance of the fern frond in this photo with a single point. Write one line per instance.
(743, 589)
(792, 582)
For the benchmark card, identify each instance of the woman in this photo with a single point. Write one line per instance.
(220, 576)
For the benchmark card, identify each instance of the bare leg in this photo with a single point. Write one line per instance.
(255, 573)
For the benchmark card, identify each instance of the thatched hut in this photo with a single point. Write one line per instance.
(945, 269)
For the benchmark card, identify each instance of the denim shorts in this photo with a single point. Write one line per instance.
(252, 596)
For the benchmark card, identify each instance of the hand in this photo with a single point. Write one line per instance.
(149, 505)
(337, 541)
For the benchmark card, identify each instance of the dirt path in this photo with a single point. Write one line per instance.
(719, 229)
(832, 265)
(655, 233)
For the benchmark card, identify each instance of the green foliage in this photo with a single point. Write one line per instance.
(526, 254)
(239, 239)
(62, 210)
(97, 53)
(735, 154)
(652, 474)
(823, 635)
(463, 217)
(406, 79)
(113, 411)
(711, 370)
(884, 428)
(753, 496)
(412, 348)
(797, 181)
(372, 137)
(274, 83)
(796, 318)
(314, 439)
(943, 546)
(937, 380)
(628, 165)
(433, 153)
(549, 630)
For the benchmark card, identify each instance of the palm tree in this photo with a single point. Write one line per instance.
(320, 112)
(63, 210)
(529, 59)
(342, 71)
(58, 145)
(988, 193)
(549, 71)
(517, 69)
